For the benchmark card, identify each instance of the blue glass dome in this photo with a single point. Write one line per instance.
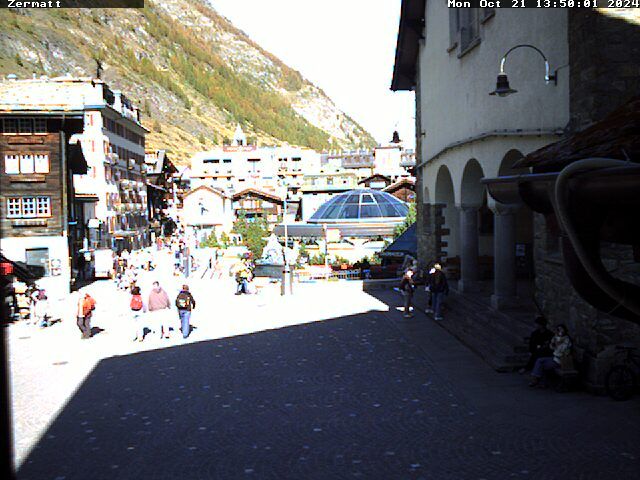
(364, 205)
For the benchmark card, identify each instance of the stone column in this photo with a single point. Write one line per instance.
(504, 253)
(468, 248)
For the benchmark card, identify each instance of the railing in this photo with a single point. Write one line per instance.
(326, 274)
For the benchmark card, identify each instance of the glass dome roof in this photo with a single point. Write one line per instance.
(364, 205)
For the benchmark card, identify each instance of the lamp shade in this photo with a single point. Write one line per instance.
(502, 86)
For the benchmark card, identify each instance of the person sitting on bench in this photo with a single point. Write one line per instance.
(561, 346)
(538, 344)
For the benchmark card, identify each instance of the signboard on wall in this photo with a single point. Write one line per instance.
(333, 235)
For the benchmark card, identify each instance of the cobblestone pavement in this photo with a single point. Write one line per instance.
(362, 393)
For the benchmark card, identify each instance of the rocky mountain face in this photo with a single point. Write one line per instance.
(193, 73)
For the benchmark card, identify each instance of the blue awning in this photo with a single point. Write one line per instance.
(405, 244)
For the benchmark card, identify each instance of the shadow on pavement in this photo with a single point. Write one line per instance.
(332, 399)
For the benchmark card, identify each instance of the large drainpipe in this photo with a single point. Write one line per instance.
(625, 296)
(604, 186)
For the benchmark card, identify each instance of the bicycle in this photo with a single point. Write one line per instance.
(622, 379)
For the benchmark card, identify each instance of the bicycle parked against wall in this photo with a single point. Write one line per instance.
(621, 381)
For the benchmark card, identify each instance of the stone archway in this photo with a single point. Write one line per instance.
(513, 243)
(445, 198)
(472, 195)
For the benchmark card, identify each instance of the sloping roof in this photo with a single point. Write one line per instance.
(409, 34)
(257, 193)
(373, 177)
(158, 163)
(205, 187)
(403, 182)
(616, 136)
(407, 243)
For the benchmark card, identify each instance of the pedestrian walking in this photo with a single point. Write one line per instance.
(439, 288)
(407, 286)
(32, 294)
(159, 306)
(41, 309)
(86, 306)
(185, 303)
(138, 309)
(243, 276)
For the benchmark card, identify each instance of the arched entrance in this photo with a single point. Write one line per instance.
(448, 228)
(472, 195)
(513, 245)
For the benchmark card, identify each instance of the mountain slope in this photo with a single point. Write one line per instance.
(192, 72)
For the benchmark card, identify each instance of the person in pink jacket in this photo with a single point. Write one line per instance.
(159, 306)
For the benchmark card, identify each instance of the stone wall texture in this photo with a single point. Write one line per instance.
(604, 48)
(594, 333)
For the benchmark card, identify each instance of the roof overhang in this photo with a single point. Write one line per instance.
(86, 197)
(412, 13)
(355, 230)
(255, 193)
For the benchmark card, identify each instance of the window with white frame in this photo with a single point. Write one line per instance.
(15, 164)
(43, 206)
(41, 161)
(13, 208)
(12, 164)
(26, 164)
(28, 207)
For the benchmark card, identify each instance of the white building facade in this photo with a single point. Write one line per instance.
(464, 134)
(206, 210)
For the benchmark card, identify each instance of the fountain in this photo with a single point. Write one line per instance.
(271, 263)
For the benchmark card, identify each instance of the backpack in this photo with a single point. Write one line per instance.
(88, 305)
(183, 301)
(136, 303)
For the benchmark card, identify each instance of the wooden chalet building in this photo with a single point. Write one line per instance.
(39, 216)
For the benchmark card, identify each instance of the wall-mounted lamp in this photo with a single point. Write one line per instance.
(502, 85)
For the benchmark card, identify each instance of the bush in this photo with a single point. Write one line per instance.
(225, 240)
(339, 261)
(317, 259)
(211, 241)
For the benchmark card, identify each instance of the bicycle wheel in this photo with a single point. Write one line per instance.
(620, 382)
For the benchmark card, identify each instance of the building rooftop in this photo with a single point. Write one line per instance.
(63, 94)
(361, 206)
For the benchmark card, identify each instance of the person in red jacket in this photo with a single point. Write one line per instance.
(86, 306)
(138, 308)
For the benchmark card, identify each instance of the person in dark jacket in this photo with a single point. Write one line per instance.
(185, 303)
(439, 288)
(538, 343)
(407, 287)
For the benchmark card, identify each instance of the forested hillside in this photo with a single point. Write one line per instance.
(192, 72)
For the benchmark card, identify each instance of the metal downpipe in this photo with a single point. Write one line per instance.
(605, 282)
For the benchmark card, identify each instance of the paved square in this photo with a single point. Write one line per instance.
(336, 385)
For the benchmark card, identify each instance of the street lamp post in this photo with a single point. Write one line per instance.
(287, 279)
